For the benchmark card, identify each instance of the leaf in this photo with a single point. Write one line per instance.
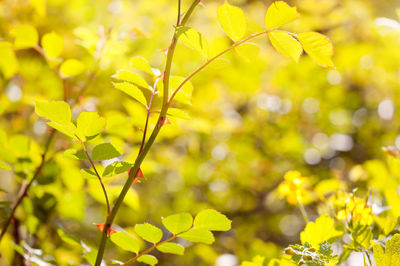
(318, 47)
(8, 61)
(116, 168)
(279, 13)
(26, 36)
(149, 232)
(178, 113)
(56, 111)
(90, 124)
(171, 248)
(141, 63)
(184, 95)
(132, 91)
(68, 129)
(248, 51)
(88, 173)
(104, 151)
(75, 154)
(198, 236)
(52, 44)
(193, 39)
(125, 75)
(72, 67)
(232, 20)
(4, 166)
(391, 255)
(212, 220)
(125, 241)
(90, 257)
(148, 259)
(285, 44)
(322, 230)
(178, 223)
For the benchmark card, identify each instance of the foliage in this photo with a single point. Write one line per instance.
(106, 121)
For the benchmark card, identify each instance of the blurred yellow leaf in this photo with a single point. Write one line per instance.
(8, 60)
(194, 40)
(52, 44)
(72, 67)
(26, 36)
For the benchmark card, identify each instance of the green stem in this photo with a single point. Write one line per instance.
(303, 210)
(98, 177)
(149, 143)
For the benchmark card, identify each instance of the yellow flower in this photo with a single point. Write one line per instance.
(292, 188)
(355, 209)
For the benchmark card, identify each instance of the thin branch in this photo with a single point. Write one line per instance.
(211, 60)
(178, 20)
(98, 177)
(153, 93)
(146, 148)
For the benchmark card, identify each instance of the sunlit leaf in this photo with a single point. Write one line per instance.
(68, 129)
(72, 67)
(132, 91)
(148, 259)
(211, 220)
(391, 255)
(279, 13)
(116, 168)
(141, 63)
(149, 232)
(285, 44)
(198, 236)
(56, 111)
(232, 20)
(125, 241)
(8, 61)
(318, 47)
(171, 248)
(125, 75)
(178, 113)
(52, 44)
(26, 36)
(75, 154)
(90, 124)
(194, 40)
(178, 223)
(322, 230)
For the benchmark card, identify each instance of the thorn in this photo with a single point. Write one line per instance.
(110, 231)
(163, 121)
(165, 51)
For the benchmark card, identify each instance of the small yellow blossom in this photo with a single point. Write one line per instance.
(293, 187)
(355, 210)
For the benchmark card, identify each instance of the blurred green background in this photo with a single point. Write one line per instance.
(251, 121)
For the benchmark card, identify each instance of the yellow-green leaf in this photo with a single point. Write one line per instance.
(322, 230)
(232, 20)
(178, 223)
(72, 67)
(391, 255)
(171, 248)
(132, 91)
(148, 259)
(125, 241)
(139, 62)
(52, 44)
(280, 13)
(8, 60)
(125, 75)
(68, 129)
(318, 47)
(211, 220)
(104, 151)
(193, 39)
(198, 236)
(57, 111)
(285, 44)
(26, 36)
(178, 113)
(90, 124)
(148, 232)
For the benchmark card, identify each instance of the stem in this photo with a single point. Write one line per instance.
(213, 59)
(98, 177)
(146, 148)
(148, 250)
(25, 186)
(178, 20)
(303, 210)
(153, 93)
